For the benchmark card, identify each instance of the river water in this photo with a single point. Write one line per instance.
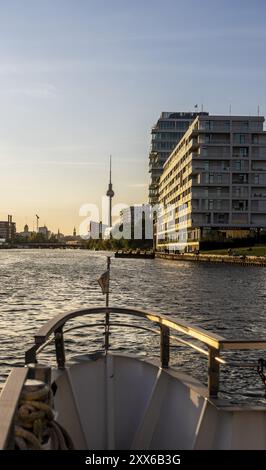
(228, 300)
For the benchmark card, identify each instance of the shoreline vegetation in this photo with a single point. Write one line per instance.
(255, 250)
(111, 244)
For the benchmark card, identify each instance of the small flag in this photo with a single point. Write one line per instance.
(103, 281)
(196, 106)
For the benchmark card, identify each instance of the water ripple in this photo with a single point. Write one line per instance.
(38, 284)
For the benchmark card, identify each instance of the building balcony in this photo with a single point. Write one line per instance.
(240, 195)
(258, 154)
(240, 179)
(215, 179)
(240, 205)
(256, 168)
(214, 126)
(259, 211)
(220, 219)
(210, 195)
(234, 209)
(214, 152)
(258, 195)
(258, 180)
(193, 143)
(155, 167)
(196, 168)
(214, 140)
(258, 206)
(240, 218)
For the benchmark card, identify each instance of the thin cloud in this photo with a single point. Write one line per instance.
(47, 148)
(65, 163)
(128, 160)
(7, 69)
(45, 91)
(138, 185)
(53, 163)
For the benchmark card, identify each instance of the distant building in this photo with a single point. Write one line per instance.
(166, 133)
(45, 232)
(136, 222)
(59, 236)
(97, 230)
(7, 229)
(26, 233)
(213, 184)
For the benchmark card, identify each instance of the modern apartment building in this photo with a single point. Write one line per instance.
(166, 133)
(7, 229)
(214, 182)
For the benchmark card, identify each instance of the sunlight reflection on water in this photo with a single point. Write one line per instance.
(38, 284)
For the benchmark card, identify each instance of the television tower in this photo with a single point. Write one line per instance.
(110, 193)
(37, 222)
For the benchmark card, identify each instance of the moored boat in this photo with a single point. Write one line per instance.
(135, 254)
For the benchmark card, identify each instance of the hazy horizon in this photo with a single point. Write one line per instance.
(82, 80)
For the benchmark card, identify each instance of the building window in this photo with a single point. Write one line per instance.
(227, 125)
(237, 165)
(240, 205)
(206, 165)
(243, 125)
(240, 178)
(236, 192)
(225, 165)
(240, 138)
(243, 151)
(208, 125)
(204, 151)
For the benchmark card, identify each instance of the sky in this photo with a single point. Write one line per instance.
(82, 79)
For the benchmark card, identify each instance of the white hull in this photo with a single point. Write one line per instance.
(125, 403)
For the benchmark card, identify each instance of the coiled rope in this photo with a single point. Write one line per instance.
(35, 425)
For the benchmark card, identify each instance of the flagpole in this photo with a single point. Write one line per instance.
(107, 322)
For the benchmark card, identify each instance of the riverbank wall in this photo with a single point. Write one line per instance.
(218, 259)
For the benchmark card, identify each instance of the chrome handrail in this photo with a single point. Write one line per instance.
(214, 342)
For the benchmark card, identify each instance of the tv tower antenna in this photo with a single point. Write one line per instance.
(110, 193)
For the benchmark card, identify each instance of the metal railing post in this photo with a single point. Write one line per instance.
(213, 372)
(60, 348)
(30, 355)
(165, 346)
